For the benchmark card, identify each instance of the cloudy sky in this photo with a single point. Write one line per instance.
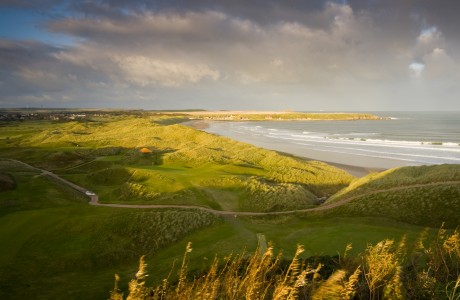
(231, 54)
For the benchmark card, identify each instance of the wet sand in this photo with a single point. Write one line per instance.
(198, 124)
(356, 170)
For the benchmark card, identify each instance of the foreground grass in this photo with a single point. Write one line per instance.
(320, 237)
(386, 270)
(57, 251)
(38, 245)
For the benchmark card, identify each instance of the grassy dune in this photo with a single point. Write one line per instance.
(425, 195)
(399, 177)
(427, 206)
(186, 166)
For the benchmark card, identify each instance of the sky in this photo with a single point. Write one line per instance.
(355, 55)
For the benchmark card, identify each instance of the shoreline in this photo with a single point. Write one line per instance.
(196, 124)
(234, 115)
(355, 170)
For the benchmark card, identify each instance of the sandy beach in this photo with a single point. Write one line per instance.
(356, 170)
(235, 112)
(329, 158)
(197, 124)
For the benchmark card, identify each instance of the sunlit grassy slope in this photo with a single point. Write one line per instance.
(426, 195)
(186, 166)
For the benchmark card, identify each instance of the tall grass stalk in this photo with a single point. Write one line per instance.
(384, 273)
(453, 290)
(137, 289)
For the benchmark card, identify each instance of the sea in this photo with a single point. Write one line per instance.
(401, 139)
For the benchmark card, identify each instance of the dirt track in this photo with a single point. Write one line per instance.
(94, 199)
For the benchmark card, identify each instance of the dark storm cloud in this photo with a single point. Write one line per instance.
(23, 65)
(442, 12)
(260, 11)
(34, 72)
(445, 14)
(36, 4)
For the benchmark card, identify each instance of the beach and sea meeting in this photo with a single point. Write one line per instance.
(401, 139)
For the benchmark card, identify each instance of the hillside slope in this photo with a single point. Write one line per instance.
(185, 166)
(425, 195)
(50, 233)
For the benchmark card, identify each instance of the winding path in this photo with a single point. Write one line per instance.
(94, 199)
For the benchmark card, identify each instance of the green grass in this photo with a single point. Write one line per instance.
(389, 269)
(54, 245)
(49, 232)
(40, 246)
(34, 191)
(42, 249)
(186, 166)
(323, 236)
(399, 177)
(54, 251)
(428, 206)
(425, 195)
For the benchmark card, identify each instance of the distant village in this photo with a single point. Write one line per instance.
(57, 115)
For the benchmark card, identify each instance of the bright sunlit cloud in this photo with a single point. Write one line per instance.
(416, 69)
